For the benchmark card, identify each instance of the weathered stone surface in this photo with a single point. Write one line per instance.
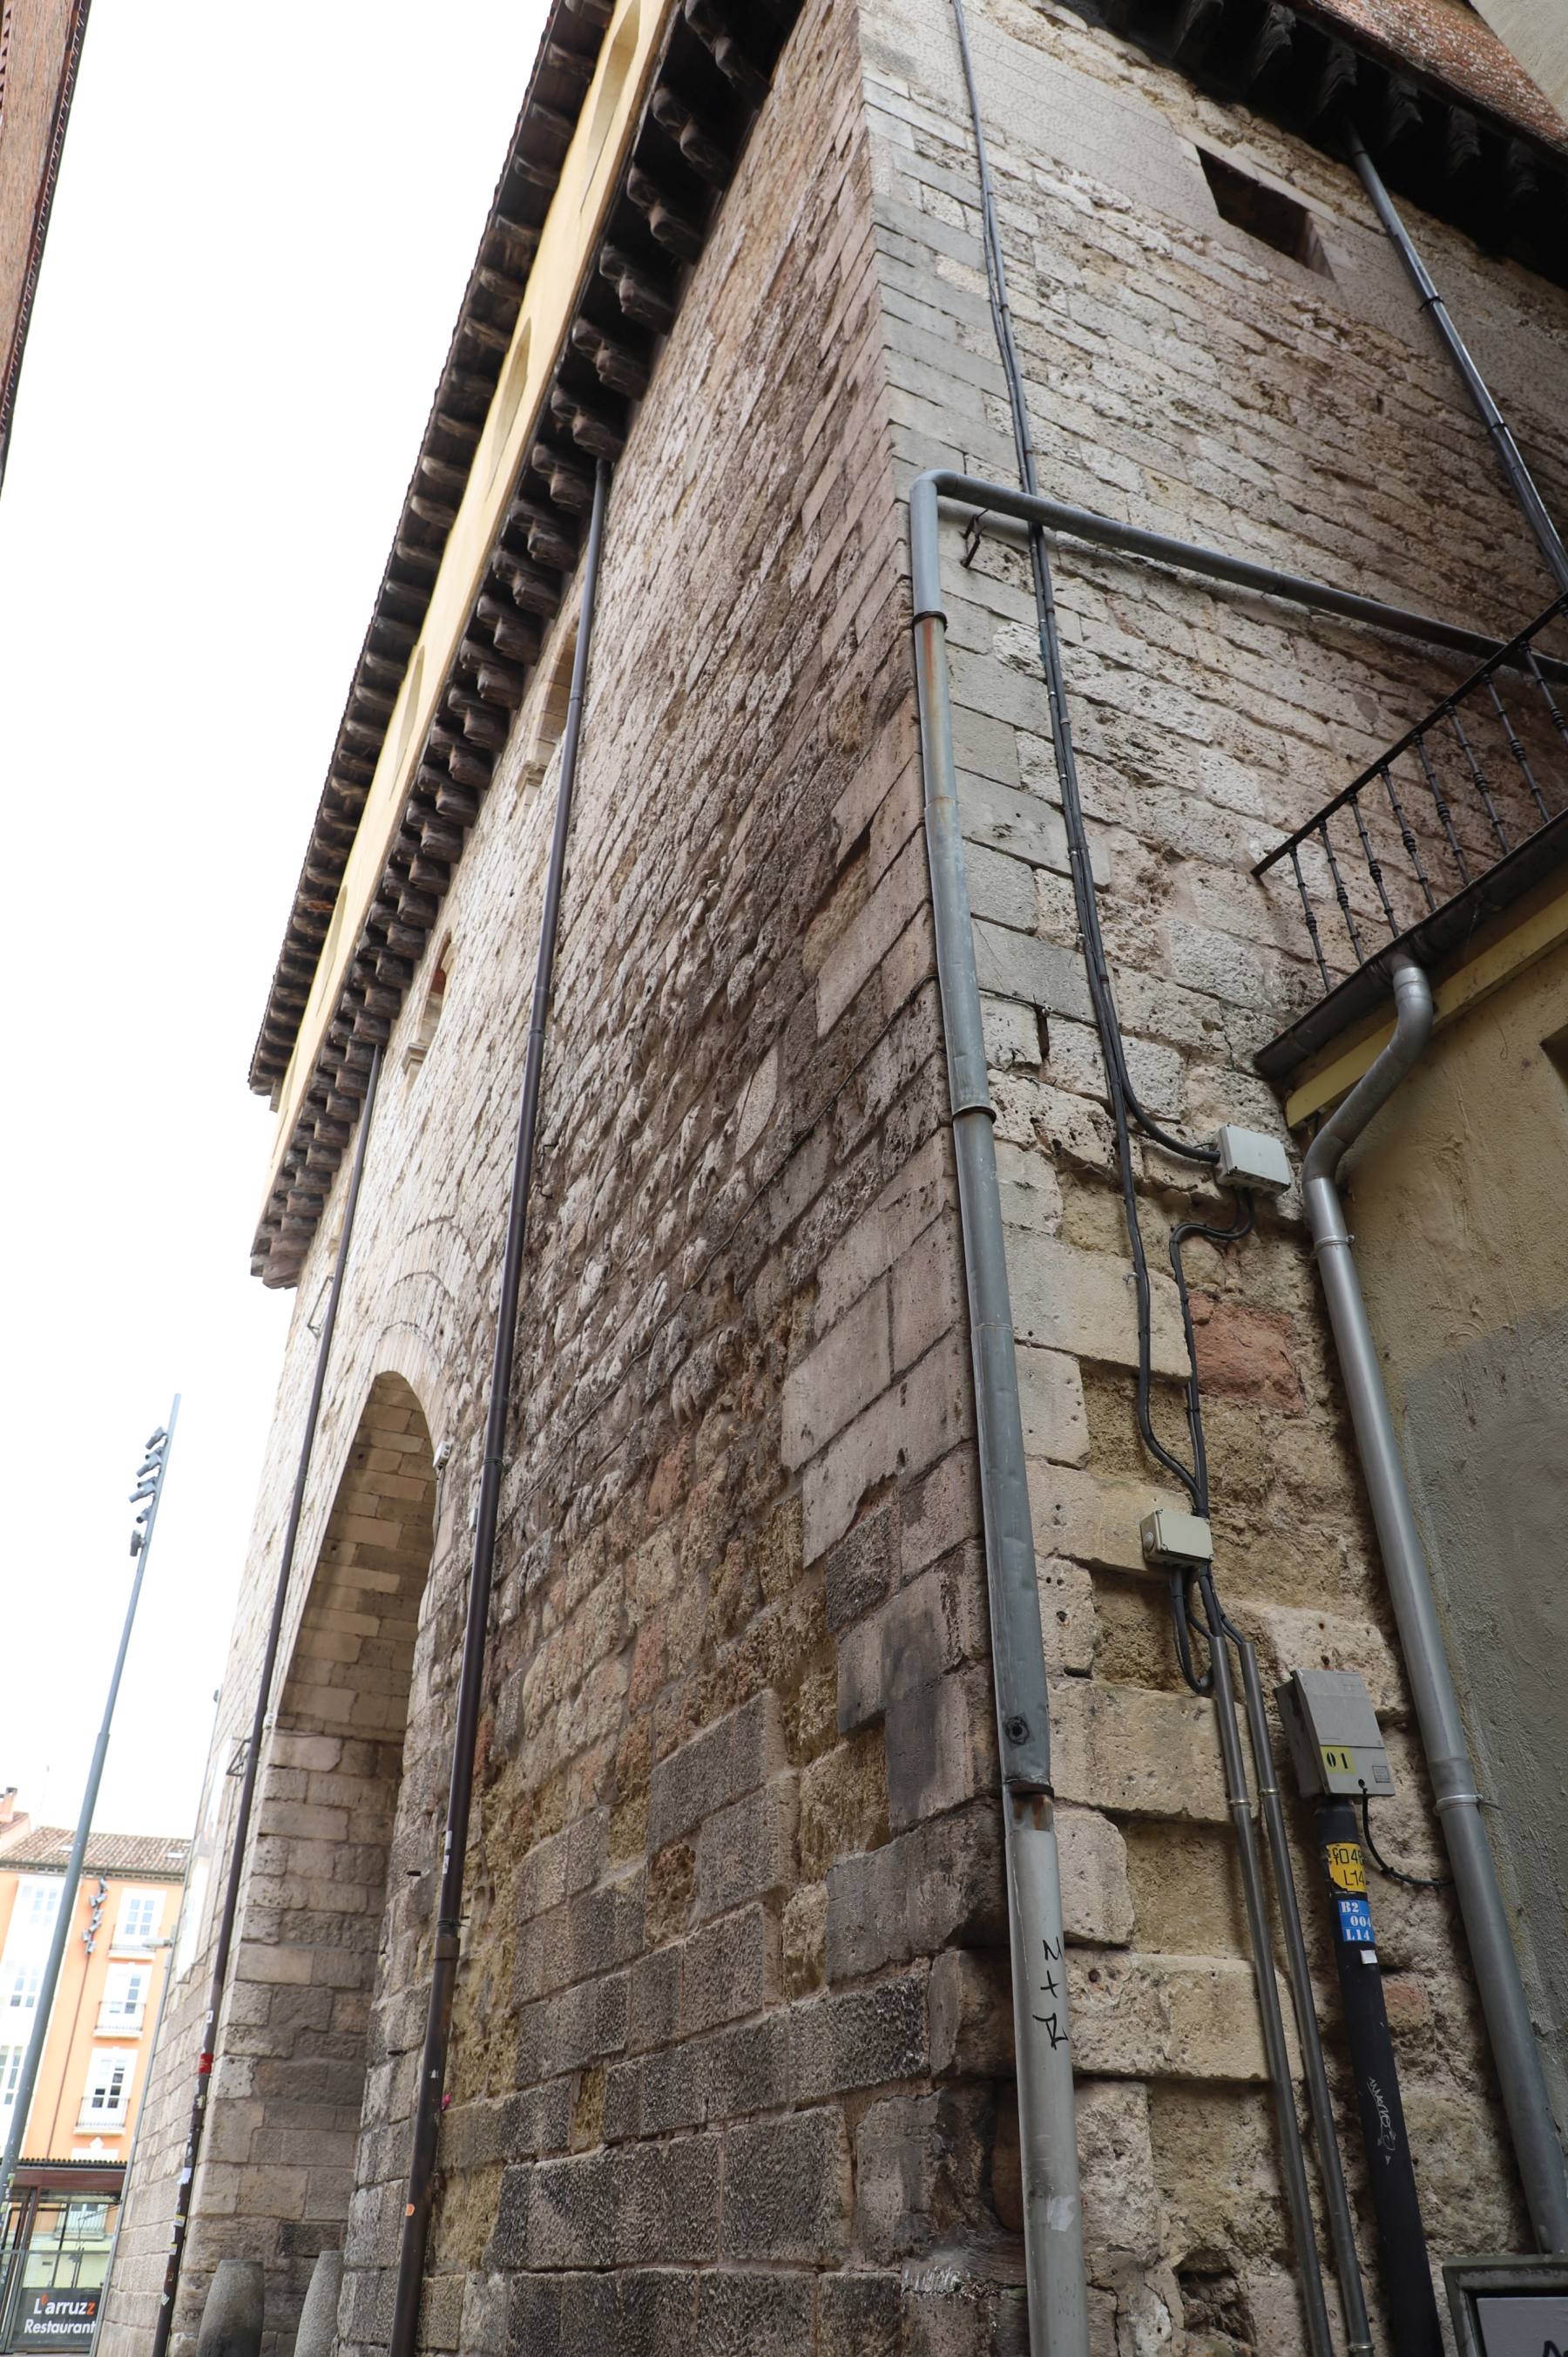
(734, 1877)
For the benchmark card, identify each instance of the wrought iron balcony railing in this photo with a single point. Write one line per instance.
(1452, 821)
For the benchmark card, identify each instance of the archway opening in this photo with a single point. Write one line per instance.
(300, 2040)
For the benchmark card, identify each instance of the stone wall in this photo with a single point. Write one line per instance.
(731, 2056)
(1184, 377)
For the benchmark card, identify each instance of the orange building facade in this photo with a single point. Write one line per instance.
(82, 2118)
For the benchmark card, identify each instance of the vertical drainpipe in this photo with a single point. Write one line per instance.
(1537, 2149)
(1053, 2212)
(1520, 481)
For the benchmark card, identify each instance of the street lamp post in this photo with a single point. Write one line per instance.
(146, 1496)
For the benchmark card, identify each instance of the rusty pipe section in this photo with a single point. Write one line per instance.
(1053, 2210)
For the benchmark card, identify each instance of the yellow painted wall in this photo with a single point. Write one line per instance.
(74, 2029)
(570, 238)
(1458, 1200)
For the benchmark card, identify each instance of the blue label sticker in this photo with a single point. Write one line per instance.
(1355, 1923)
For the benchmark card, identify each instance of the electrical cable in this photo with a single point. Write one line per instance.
(1394, 1873)
(1084, 896)
(1218, 1630)
(1125, 1106)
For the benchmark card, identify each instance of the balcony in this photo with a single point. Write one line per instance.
(1460, 817)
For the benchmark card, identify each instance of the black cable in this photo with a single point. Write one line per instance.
(1394, 1873)
(1085, 899)
(1125, 1105)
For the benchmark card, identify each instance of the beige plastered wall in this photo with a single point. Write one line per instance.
(1455, 1197)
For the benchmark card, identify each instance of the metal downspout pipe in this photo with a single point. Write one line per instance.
(470, 1685)
(1523, 2084)
(185, 2182)
(1052, 2212)
(1519, 476)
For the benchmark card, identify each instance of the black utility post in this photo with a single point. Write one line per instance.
(1406, 2271)
(148, 1490)
(1338, 1749)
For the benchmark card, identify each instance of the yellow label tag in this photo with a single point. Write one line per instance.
(1346, 1865)
(1338, 1760)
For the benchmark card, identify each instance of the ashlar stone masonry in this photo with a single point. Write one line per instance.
(731, 2067)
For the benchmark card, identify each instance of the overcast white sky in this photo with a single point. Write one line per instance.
(263, 230)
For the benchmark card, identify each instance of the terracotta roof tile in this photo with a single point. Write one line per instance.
(1447, 41)
(49, 1846)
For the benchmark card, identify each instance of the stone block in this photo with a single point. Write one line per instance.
(750, 2312)
(922, 2165)
(865, 2038)
(934, 1624)
(859, 2316)
(844, 1802)
(744, 2070)
(840, 1376)
(1065, 1299)
(1037, 973)
(1120, 2193)
(729, 1969)
(1093, 1519)
(1050, 1400)
(787, 2188)
(746, 1851)
(664, 2200)
(733, 1755)
(1097, 1896)
(936, 1884)
(923, 1415)
(927, 1295)
(940, 1746)
(1165, 2016)
(861, 1569)
(1134, 1752)
(971, 2014)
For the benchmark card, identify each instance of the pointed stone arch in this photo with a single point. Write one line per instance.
(298, 2042)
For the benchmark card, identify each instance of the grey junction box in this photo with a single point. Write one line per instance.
(1336, 1744)
(1507, 2306)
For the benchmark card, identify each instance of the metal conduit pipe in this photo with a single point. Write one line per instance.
(1047, 2137)
(1523, 2084)
(936, 741)
(1188, 556)
(1276, 2053)
(185, 2182)
(1298, 1974)
(1520, 480)
(471, 1686)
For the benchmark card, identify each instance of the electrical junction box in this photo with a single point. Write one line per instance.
(1176, 1541)
(1248, 1159)
(1509, 2306)
(1336, 1743)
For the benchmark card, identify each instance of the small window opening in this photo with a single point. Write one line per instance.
(430, 1013)
(1265, 213)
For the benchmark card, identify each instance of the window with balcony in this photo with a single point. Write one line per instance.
(125, 1998)
(107, 2093)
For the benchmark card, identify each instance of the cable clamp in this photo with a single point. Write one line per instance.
(1457, 1800)
(972, 532)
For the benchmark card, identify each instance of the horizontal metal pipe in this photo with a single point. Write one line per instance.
(1188, 556)
(1504, 2004)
